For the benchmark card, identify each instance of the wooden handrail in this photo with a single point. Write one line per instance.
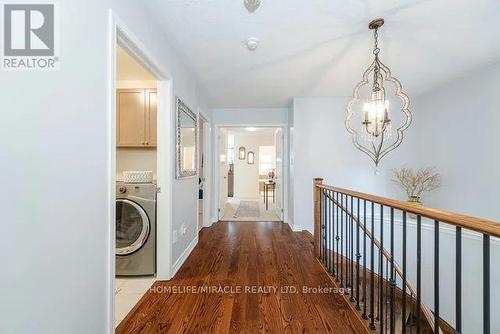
(483, 226)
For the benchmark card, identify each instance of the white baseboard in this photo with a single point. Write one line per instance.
(180, 261)
(297, 228)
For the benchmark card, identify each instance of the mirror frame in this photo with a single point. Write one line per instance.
(241, 150)
(250, 154)
(181, 107)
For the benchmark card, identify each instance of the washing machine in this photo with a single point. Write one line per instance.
(135, 229)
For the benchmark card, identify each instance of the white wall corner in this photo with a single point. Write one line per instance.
(180, 261)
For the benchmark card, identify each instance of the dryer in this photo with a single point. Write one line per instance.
(135, 229)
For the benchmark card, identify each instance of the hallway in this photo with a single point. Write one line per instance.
(237, 209)
(259, 265)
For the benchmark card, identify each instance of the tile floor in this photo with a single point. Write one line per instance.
(128, 291)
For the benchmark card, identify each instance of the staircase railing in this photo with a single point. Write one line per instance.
(349, 231)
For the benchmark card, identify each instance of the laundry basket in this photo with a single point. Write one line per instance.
(141, 176)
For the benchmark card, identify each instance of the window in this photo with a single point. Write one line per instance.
(267, 159)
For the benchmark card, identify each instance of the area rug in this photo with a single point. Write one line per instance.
(247, 209)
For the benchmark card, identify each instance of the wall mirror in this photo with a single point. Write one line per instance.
(251, 158)
(186, 141)
(242, 153)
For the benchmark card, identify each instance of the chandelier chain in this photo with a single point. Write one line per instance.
(376, 50)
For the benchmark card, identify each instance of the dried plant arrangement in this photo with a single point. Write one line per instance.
(417, 183)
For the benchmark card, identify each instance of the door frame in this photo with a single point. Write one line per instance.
(207, 187)
(119, 33)
(282, 157)
(215, 164)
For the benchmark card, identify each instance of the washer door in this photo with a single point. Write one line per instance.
(132, 227)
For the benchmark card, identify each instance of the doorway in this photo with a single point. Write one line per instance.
(250, 174)
(136, 179)
(139, 139)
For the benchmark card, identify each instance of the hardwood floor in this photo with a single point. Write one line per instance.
(239, 257)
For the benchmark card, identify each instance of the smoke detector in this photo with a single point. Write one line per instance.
(252, 5)
(252, 43)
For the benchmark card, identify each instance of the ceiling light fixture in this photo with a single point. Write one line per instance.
(252, 43)
(252, 5)
(374, 136)
(251, 129)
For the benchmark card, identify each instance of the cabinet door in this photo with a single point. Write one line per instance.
(131, 117)
(151, 117)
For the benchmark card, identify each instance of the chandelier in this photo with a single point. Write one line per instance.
(369, 118)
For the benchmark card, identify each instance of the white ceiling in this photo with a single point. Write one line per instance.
(128, 68)
(321, 47)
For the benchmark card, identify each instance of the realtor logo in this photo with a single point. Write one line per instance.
(29, 37)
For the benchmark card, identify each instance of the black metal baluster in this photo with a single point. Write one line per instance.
(486, 284)
(419, 271)
(364, 316)
(358, 255)
(323, 225)
(346, 245)
(352, 249)
(328, 221)
(436, 276)
(337, 240)
(325, 218)
(325, 222)
(393, 278)
(458, 280)
(372, 273)
(403, 312)
(334, 231)
(342, 241)
(386, 287)
(332, 225)
(381, 270)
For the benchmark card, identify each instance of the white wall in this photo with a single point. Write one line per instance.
(250, 116)
(322, 147)
(135, 159)
(54, 175)
(246, 176)
(459, 134)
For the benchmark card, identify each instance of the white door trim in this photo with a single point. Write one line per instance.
(207, 140)
(215, 163)
(118, 32)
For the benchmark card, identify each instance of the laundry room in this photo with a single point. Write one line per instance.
(136, 186)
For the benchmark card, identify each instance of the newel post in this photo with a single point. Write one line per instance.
(317, 215)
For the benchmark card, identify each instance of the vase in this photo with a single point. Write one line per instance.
(414, 200)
